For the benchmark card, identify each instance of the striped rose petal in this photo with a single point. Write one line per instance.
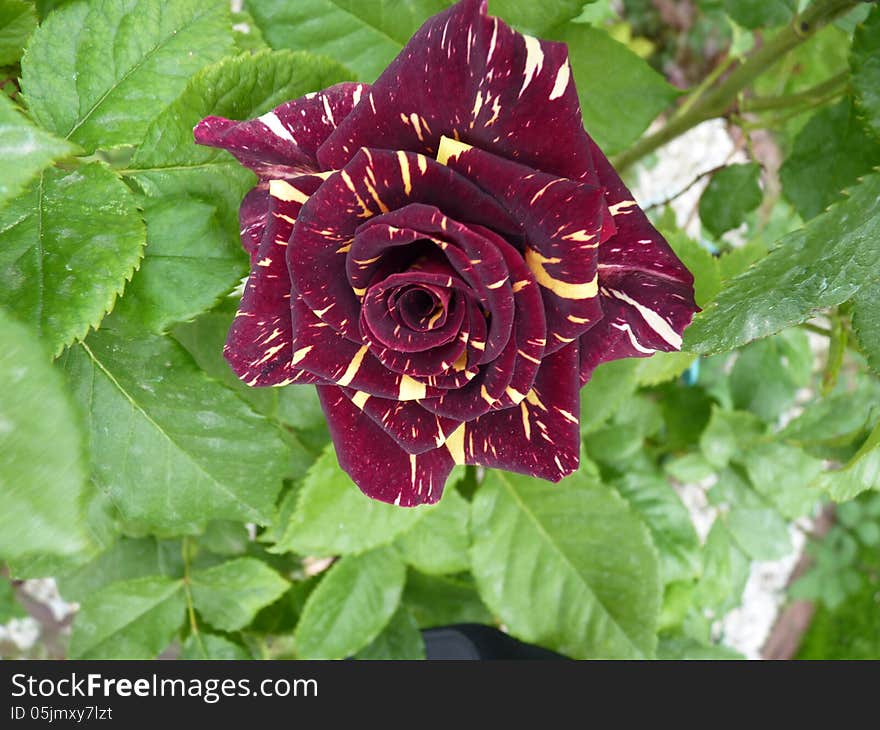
(540, 437)
(374, 460)
(647, 294)
(284, 142)
(471, 77)
(259, 347)
(563, 224)
(413, 428)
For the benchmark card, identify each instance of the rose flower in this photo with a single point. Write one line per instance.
(447, 255)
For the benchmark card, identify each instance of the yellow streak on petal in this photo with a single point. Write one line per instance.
(577, 320)
(621, 206)
(533, 399)
(455, 444)
(360, 398)
(300, 354)
(410, 389)
(450, 148)
(461, 363)
(404, 172)
(562, 289)
(515, 395)
(353, 367)
(283, 190)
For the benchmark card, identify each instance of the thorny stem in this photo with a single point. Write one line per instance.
(718, 100)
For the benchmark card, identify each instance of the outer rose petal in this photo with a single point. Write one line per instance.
(540, 438)
(472, 77)
(284, 142)
(413, 428)
(381, 469)
(647, 294)
(259, 344)
(252, 217)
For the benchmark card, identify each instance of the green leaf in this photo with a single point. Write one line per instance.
(127, 60)
(767, 374)
(176, 449)
(737, 260)
(620, 93)
(688, 468)
(730, 195)
(333, 517)
(864, 60)
(761, 532)
(866, 323)
(611, 384)
(401, 639)
(443, 600)
(725, 572)
(536, 18)
(728, 433)
(702, 264)
(840, 417)
(783, 474)
(229, 595)
(211, 646)
(168, 163)
(17, 21)
(67, 247)
(861, 473)
(830, 153)
(134, 619)
(42, 471)
(760, 13)
(822, 265)
(439, 542)
(364, 36)
(189, 264)
(566, 566)
(751, 521)
(351, 605)
(661, 367)
(669, 522)
(24, 149)
(126, 559)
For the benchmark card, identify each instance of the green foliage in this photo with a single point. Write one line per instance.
(133, 619)
(758, 13)
(145, 54)
(17, 21)
(730, 195)
(67, 247)
(194, 517)
(588, 602)
(620, 93)
(229, 595)
(829, 154)
(42, 469)
(24, 150)
(187, 430)
(351, 606)
(333, 517)
(821, 265)
(865, 62)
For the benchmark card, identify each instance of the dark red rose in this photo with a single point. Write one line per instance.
(447, 256)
